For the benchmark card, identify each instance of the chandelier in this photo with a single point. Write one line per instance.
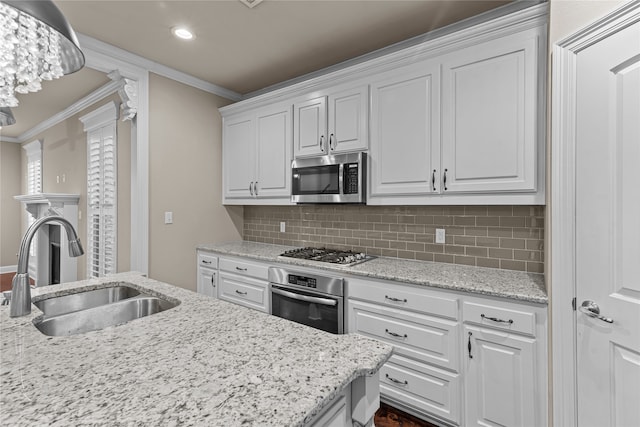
(37, 43)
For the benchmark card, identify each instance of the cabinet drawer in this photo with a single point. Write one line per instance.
(424, 338)
(422, 387)
(244, 268)
(245, 291)
(207, 260)
(405, 297)
(499, 317)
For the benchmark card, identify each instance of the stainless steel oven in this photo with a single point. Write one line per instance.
(339, 178)
(308, 298)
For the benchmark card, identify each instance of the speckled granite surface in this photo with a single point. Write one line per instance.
(204, 362)
(485, 281)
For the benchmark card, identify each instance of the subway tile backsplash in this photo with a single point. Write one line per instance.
(506, 237)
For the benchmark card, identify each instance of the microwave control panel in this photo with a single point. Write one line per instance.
(351, 178)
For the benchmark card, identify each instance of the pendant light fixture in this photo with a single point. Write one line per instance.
(37, 44)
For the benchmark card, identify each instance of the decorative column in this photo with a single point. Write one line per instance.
(46, 204)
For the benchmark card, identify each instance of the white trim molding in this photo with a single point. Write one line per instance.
(8, 269)
(563, 196)
(100, 116)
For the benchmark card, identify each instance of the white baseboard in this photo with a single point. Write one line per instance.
(8, 269)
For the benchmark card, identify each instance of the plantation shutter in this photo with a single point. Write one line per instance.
(34, 166)
(101, 197)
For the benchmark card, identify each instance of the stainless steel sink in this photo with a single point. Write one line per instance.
(96, 309)
(84, 300)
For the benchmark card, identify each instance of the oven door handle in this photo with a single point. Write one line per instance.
(316, 300)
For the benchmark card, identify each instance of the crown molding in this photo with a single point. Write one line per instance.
(512, 18)
(155, 67)
(63, 115)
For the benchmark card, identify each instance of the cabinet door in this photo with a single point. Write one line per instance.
(405, 133)
(239, 155)
(207, 282)
(501, 382)
(348, 122)
(489, 121)
(274, 152)
(310, 127)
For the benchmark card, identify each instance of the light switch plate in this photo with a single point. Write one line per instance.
(168, 217)
(440, 235)
(283, 226)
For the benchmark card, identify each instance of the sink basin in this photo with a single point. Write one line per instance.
(97, 318)
(84, 300)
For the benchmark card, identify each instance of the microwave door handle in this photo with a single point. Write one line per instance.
(341, 178)
(316, 300)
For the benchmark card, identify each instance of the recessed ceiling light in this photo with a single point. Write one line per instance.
(182, 33)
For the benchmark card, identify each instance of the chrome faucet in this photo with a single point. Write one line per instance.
(20, 290)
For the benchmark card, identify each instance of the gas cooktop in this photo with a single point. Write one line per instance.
(333, 256)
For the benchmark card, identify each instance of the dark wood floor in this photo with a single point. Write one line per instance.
(388, 416)
(5, 281)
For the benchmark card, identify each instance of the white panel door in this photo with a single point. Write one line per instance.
(310, 127)
(348, 124)
(239, 156)
(274, 131)
(501, 377)
(608, 230)
(489, 112)
(405, 132)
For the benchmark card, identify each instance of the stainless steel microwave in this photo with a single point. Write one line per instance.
(339, 178)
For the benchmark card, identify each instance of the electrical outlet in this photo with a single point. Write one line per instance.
(283, 226)
(168, 217)
(440, 235)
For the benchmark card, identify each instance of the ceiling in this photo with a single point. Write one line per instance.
(239, 48)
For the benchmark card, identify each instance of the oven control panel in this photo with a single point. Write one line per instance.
(309, 282)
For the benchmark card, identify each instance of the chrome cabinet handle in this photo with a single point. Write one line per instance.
(591, 309)
(240, 292)
(395, 380)
(321, 141)
(444, 179)
(433, 180)
(204, 261)
(241, 269)
(331, 147)
(469, 346)
(495, 319)
(395, 299)
(393, 334)
(255, 187)
(212, 284)
(251, 188)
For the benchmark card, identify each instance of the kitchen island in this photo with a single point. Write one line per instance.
(203, 362)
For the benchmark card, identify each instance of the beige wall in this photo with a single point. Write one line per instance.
(185, 177)
(10, 210)
(64, 156)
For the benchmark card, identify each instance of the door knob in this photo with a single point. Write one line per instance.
(591, 309)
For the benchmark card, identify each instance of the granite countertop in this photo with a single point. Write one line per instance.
(203, 362)
(510, 284)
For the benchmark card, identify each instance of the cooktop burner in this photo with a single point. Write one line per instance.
(334, 256)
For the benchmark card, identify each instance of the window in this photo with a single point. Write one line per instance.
(34, 166)
(101, 250)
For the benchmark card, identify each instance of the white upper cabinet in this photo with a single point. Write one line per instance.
(489, 116)
(257, 156)
(239, 155)
(405, 131)
(332, 123)
(348, 124)
(310, 127)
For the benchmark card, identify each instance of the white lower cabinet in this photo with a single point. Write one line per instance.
(244, 282)
(458, 359)
(207, 282)
(506, 364)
